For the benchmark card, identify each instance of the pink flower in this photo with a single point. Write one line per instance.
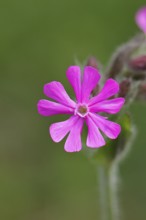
(84, 109)
(141, 19)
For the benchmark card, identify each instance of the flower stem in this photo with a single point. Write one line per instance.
(108, 192)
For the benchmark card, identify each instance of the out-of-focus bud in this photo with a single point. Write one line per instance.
(117, 63)
(138, 64)
(92, 61)
(123, 54)
(141, 18)
(124, 87)
(96, 90)
(137, 67)
(129, 61)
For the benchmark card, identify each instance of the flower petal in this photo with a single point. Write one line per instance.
(110, 88)
(110, 106)
(74, 77)
(47, 108)
(60, 129)
(141, 19)
(56, 91)
(94, 138)
(73, 142)
(109, 128)
(90, 79)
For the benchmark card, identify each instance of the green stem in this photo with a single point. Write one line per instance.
(108, 192)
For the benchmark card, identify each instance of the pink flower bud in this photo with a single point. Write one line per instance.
(124, 87)
(92, 61)
(139, 63)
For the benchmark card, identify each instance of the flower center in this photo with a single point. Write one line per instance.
(82, 110)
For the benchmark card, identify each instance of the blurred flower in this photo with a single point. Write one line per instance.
(84, 109)
(141, 19)
(138, 63)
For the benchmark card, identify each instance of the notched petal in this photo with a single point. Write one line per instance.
(74, 77)
(109, 128)
(73, 142)
(56, 91)
(111, 87)
(90, 80)
(111, 106)
(48, 108)
(94, 137)
(60, 129)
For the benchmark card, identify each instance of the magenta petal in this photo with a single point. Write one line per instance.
(110, 88)
(109, 128)
(94, 138)
(74, 77)
(60, 129)
(141, 19)
(73, 142)
(90, 80)
(56, 91)
(110, 106)
(47, 108)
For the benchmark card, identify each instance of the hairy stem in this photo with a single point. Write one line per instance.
(107, 177)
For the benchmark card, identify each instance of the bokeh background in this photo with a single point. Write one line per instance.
(38, 41)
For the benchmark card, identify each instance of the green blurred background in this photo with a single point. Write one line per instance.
(38, 41)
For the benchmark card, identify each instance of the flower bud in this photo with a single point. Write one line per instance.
(92, 61)
(138, 64)
(137, 67)
(124, 87)
(118, 64)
